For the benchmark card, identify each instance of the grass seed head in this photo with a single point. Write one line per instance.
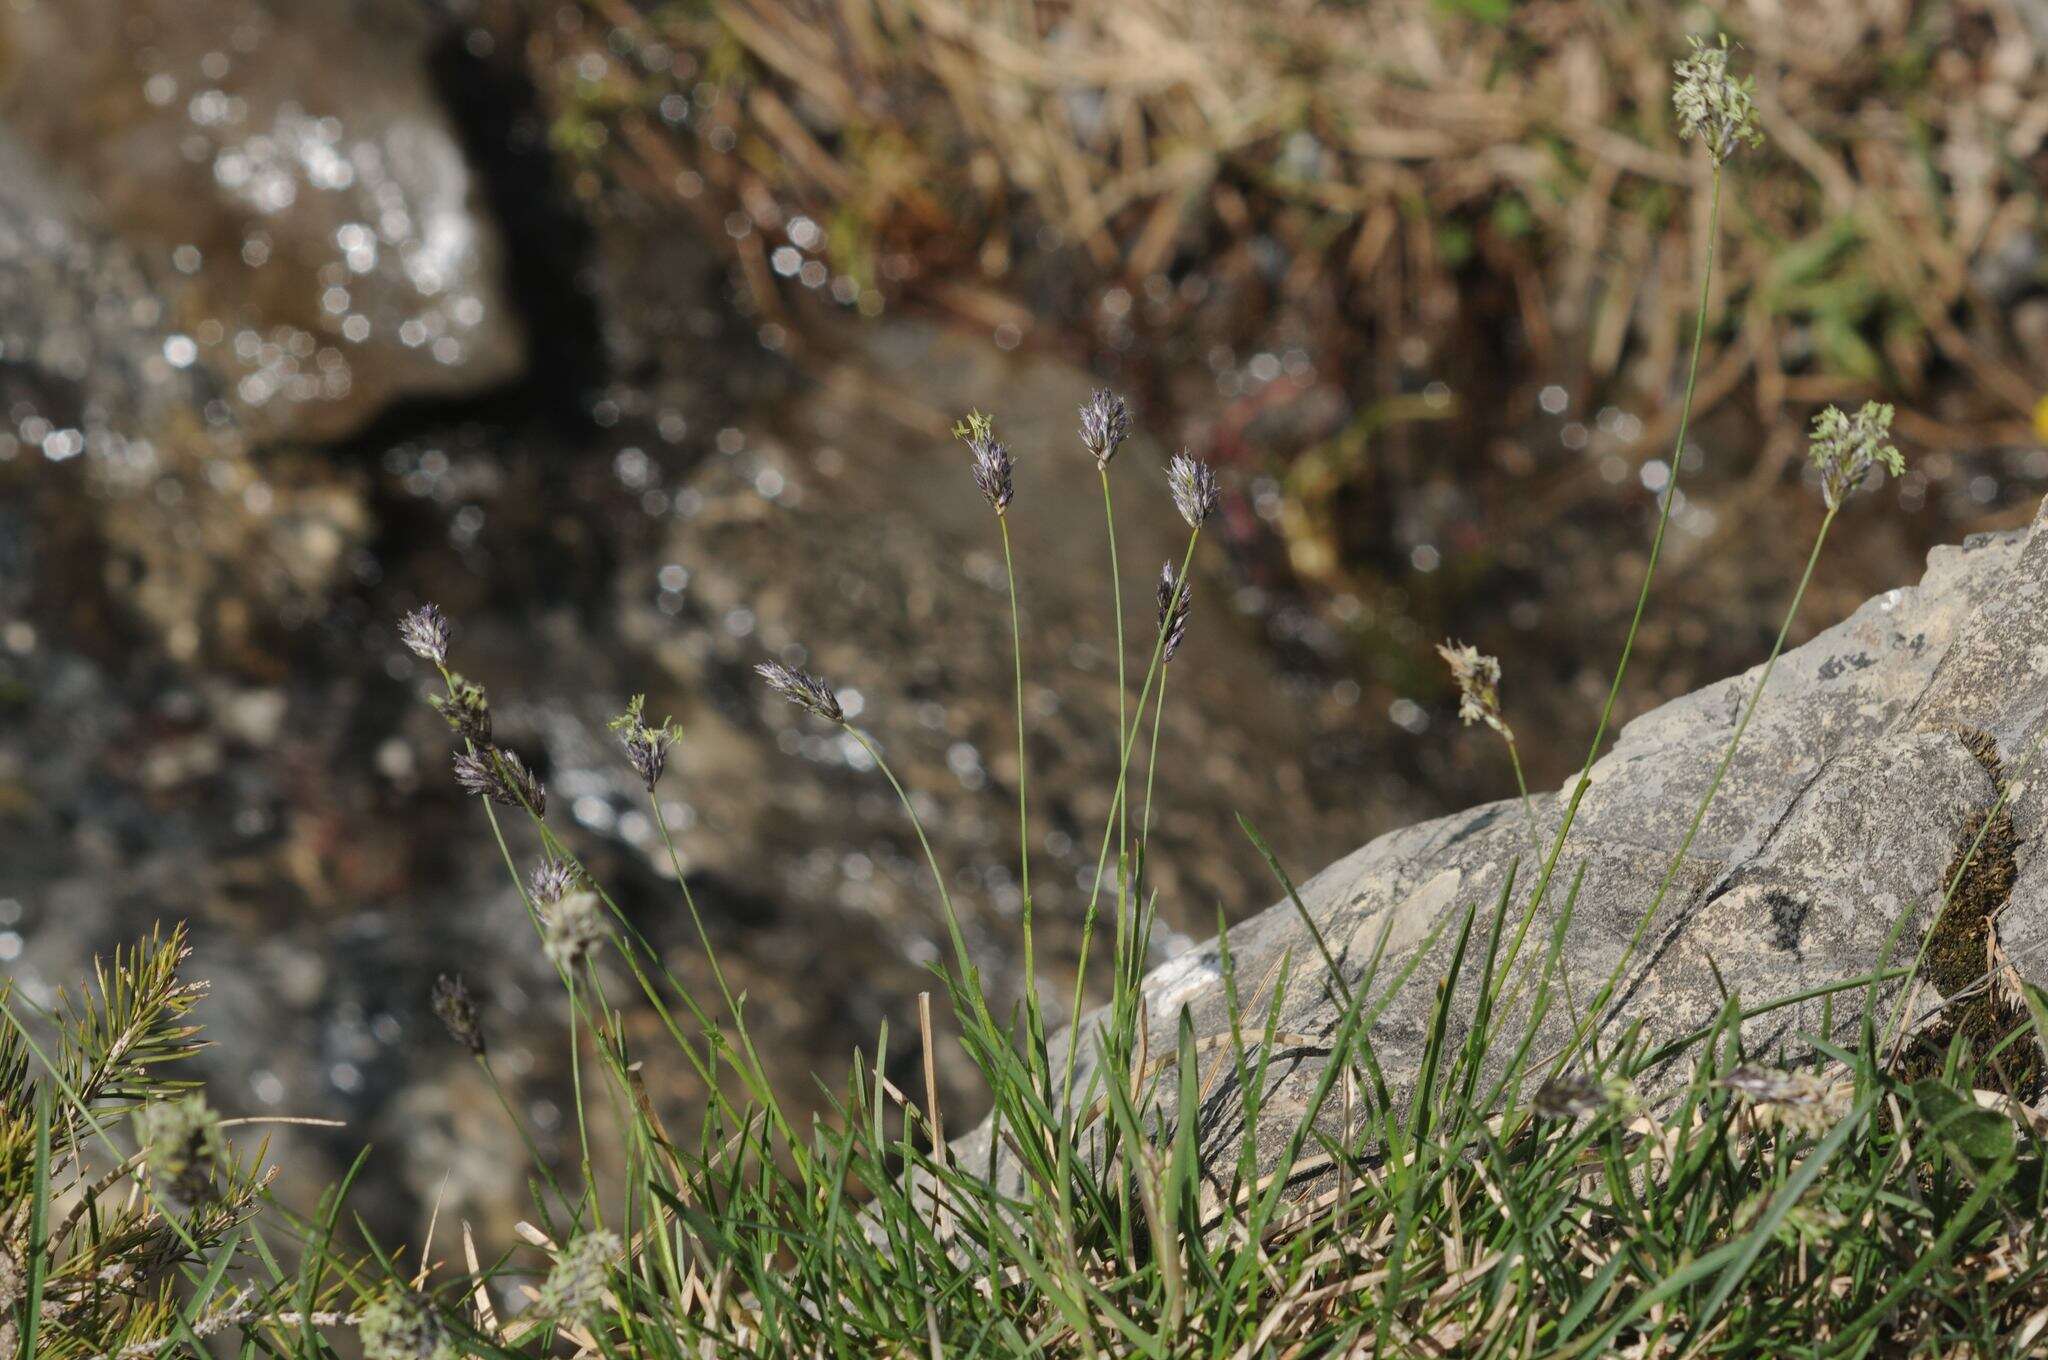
(457, 1009)
(1571, 1095)
(1845, 447)
(501, 776)
(574, 1288)
(806, 691)
(646, 747)
(466, 709)
(1713, 106)
(1194, 487)
(1174, 609)
(573, 927)
(1803, 1103)
(425, 633)
(992, 464)
(400, 1324)
(1105, 424)
(551, 879)
(1478, 679)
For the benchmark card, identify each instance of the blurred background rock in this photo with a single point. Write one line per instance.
(631, 333)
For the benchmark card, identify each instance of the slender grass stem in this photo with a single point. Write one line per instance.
(1023, 759)
(519, 1126)
(634, 945)
(1670, 498)
(1151, 767)
(1152, 671)
(1119, 813)
(1594, 1017)
(1116, 588)
(1034, 1015)
(755, 1078)
(732, 1005)
(965, 962)
(1522, 787)
(576, 1074)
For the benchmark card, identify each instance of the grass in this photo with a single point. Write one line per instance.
(1139, 1189)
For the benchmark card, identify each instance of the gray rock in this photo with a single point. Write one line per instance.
(1870, 764)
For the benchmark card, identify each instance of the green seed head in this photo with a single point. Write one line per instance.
(1713, 106)
(1844, 448)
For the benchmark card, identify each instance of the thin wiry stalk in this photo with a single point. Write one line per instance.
(1522, 787)
(534, 916)
(751, 1072)
(1116, 587)
(1117, 800)
(519, 1126)
(576, 1072)
(965, 962)
(1670, 498)
(1035, 1021)
(1152, 764)
(732, 1005)
(1594, 1019)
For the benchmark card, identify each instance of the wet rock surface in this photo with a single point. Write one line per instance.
(1875, 757)
(286, 171)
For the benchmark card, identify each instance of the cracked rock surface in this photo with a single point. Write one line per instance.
(1873, 759)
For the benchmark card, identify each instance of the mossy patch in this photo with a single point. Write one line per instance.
(1959, 958)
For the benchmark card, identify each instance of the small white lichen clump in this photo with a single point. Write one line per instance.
(1713, 106)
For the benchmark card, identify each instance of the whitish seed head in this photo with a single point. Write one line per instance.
(646, 746)
(1803, 1103)
(1844, 448)
(180, 1141)
(1194, 487)
(499, 775)
(466, 710)
(457, 1010)
(400, 1324)
(1478, 680)
(1174, 610)
(573, 927)
(1105, 424)
(1713, 106)
(425, 632)
(803, 689)
(552, 878)
(575, 1286)
(1572, 1094)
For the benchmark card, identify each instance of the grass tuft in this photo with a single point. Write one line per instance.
(1139, 1188)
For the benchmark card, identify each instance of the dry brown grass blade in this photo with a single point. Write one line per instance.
(480, 1295)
